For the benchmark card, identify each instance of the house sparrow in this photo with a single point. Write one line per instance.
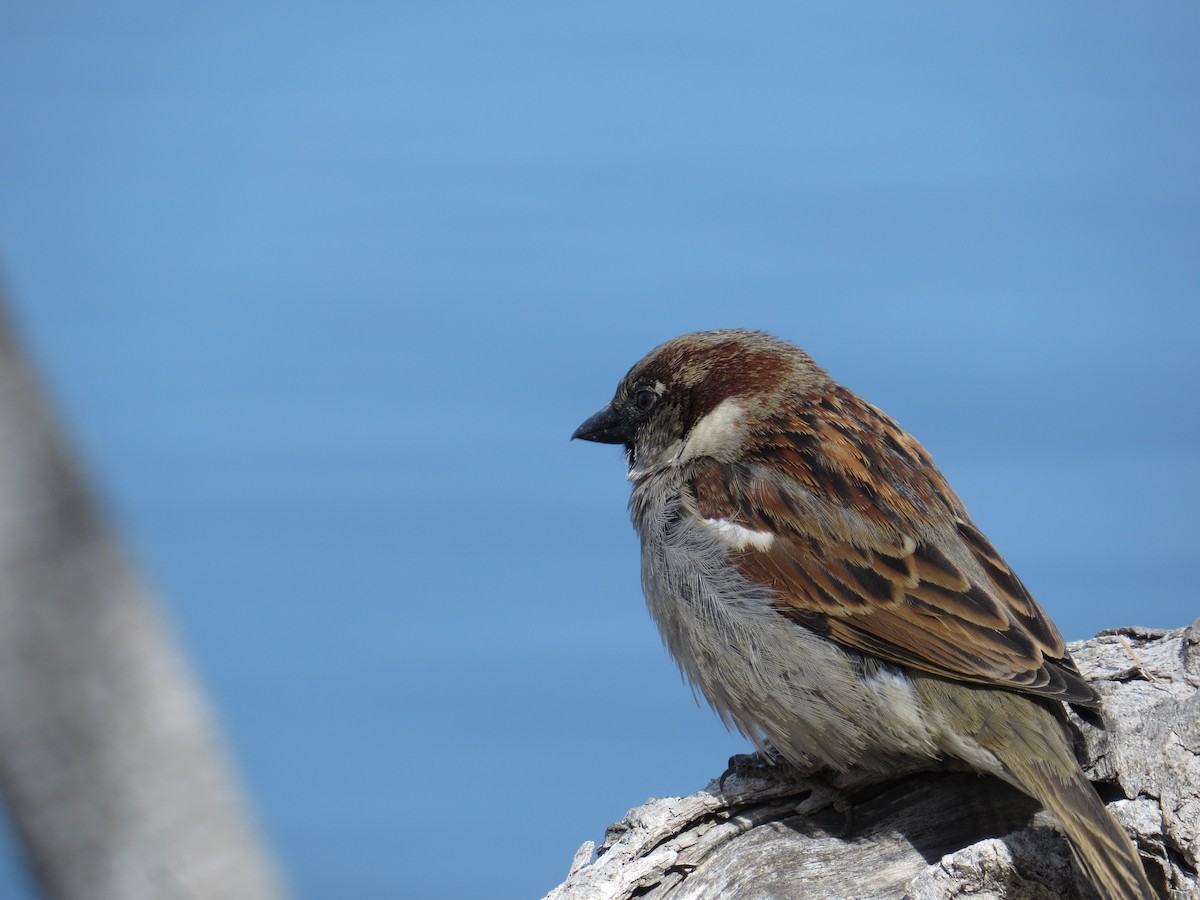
(816, 578)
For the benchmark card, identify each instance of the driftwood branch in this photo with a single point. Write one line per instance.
(768, 832)
(110, 764)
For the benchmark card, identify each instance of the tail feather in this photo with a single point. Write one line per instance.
(1028, 738)
(1040, 762)
(1101, 848)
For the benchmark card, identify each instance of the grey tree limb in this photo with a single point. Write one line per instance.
(110, 763)
(769, 832)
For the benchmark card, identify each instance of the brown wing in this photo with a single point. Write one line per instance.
(876, 552)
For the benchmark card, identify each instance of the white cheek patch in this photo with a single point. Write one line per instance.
(738, 537)
(718, 431)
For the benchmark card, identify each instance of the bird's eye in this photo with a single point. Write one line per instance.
(644, 399)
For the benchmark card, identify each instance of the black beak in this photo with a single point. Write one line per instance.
(606, 427)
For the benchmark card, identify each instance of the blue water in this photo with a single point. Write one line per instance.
(321, 292)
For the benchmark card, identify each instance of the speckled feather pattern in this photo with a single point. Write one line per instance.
(876, 552)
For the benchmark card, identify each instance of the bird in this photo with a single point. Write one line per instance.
(822, 586)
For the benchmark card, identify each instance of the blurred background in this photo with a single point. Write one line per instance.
(320, 291)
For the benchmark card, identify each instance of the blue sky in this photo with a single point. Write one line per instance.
(321, 291)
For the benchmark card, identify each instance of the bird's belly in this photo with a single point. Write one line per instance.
(775, 680)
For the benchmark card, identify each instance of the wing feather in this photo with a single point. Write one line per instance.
(874, 550)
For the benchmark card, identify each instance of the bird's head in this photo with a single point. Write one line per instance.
(699, 395)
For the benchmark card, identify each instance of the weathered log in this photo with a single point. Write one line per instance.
(770, 832)
(110, 763)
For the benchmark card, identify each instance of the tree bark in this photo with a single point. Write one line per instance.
(110, 765)
(769, 832)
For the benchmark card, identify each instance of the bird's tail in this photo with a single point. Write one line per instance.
(1101, 848)
(1050, 774)
(1028, 738)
